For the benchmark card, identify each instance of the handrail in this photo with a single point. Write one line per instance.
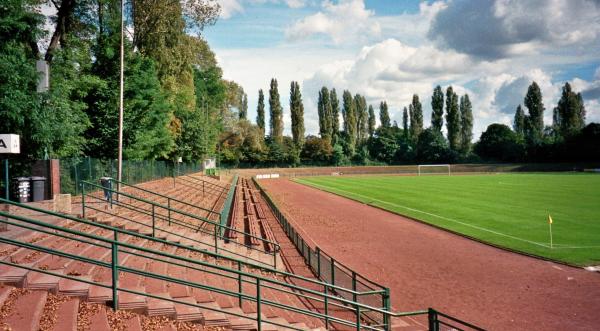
(115, 245)
(228, 204)
(211, 254)
(169, 198)
(216, 233)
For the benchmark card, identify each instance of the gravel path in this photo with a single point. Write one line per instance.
(428, 267)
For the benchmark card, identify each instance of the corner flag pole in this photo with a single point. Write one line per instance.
(550, 227)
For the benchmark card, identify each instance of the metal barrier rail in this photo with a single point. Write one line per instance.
(170, 218)
(169, 199)
(225, 213)
(331, 271)
(115, 246)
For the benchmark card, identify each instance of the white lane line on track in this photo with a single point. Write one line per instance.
(438, 216)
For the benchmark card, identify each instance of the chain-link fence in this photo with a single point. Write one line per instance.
(73, 171)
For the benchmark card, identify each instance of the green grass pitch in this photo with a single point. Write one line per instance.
(509, 210)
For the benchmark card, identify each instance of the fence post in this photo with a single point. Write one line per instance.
(153, 223)
(432, 317)
(216, 242)
(115, 272)
(332, 271)
(169, 206)
(386, 306)
(82, 200)
(326, 302)
(354, 286)
(357, 317)
(258, 310)
(318, 262)
(239, 265)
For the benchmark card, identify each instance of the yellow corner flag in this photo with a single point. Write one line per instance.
(549, 219)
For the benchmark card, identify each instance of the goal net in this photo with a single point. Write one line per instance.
(433, 169)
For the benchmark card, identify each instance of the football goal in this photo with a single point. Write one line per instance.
(433, 169)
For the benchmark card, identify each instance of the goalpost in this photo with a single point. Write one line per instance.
(437, 169)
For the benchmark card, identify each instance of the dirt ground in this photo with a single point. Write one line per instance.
(427, 267)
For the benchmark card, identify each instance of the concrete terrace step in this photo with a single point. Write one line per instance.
(26, 311)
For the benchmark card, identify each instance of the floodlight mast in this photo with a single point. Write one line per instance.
(120, 152)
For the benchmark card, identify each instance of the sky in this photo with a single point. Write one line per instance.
(391, 49)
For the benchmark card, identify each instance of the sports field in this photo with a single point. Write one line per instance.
(509, 210)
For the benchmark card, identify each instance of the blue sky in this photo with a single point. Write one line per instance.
(392, 49)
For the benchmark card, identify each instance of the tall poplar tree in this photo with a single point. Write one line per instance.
(349, 121)
(260, 112)
(437, 106)
(362, 117)
(384, 115)
(452, 119)
(244, 109)
(335, 116)
(466, 124)
(416, 118)
(276, 113)
(297, 112)
(324, 111)
(519, 121)
(372, 121)
(534, 125)
(405, 122)
(571, 112)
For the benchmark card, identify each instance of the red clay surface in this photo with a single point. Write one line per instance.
(428, 267)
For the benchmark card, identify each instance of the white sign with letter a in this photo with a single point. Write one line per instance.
(9, 144)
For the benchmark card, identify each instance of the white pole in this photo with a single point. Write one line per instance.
(120, 155)
(550, 226)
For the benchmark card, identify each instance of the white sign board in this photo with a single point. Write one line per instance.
(9, 144)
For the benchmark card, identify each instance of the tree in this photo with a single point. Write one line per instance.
(297, 112)
(437, 106)
(432, 147)
(384, 115)
(316, 150)
(519, 121)
(325, 116)
(349, 122)
(534, 125)
(466, 124)
(335, 116)
(244, 109)
(452, 119)
(362, 117)
(570, 115)
(372, 123)
(405, 120)
(276, 113)
(260, 112)
(499, 143)
(416, 118)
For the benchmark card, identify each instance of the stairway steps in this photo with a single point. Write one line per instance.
(99, 320)
(26, 312)
(133, 324)
(42, 281)
(66, 315)
(186, 313)
(158, 307)
(74, 288)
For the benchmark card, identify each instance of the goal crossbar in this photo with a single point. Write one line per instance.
(420, 166)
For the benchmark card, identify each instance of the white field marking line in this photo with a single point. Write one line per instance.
(441, 217)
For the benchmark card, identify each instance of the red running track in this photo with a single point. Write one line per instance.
(428, 267)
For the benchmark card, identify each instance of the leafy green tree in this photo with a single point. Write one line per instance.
(325, 114)
(372, 123)
(349, 122)
(260, 112)
(316, 150)
(335, 116)
(362, 117)
(276, 113)
(437, 106)
(297, 111)
(570, 115)
(534, 125)
(519, 121)
(499, 143)
(384, 115)
(415, 110)
(466, 124)
(452, 119)
(244, 109)
(432, 147)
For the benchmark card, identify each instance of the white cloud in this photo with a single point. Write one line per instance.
(295, 3)
(230, 8)
(344, 21)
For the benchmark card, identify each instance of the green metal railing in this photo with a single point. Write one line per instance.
(331, 271)
(170, 216)
(225, 213)
(115, 245)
